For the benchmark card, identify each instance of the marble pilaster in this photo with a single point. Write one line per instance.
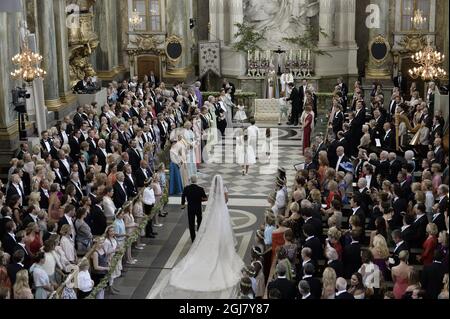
(62, 48)
(345, 23)
(220, 20)
(177, 22)
(326, 22)
(213, 19)
(47, 48)
(236, 16)
(377, 70)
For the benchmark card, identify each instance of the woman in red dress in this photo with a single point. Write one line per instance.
(307, 119)
(278, 235)
(429, 245)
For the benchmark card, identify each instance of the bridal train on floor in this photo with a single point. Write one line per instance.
(212, 268)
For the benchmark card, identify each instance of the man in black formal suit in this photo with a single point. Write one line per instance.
(405, 185)
(59, 179)
(309, 163)
(15, 188)
(194, 195)
(419, 226)
(91, 141)
(120, 196)
(122, 138)
(388, 138)
(78, 118)
(64, 165)
(305, 290)
(75, 181)
(20, 246)
(439, 153)
(356, 203)
(312, 219)
(320, 146)
(9, 238)
(395, 166)
(68, 219)
(314, 283)
(74, 143)
(31, 216)
(130, 182)
(333, 144)
(400, 245)
(344, 91)
(302, 91)
(142, 174)
(338, 119)
(125, 158)
(134, 155)
(312, 242)
(22, 151)
(351, 256)
(153, 79)
(286, 287)
(341, 159)
(44, 191)
(296, 104)
(341, 287)
(16, 265)
(305, 254)
(81, 166)
(433, 275)
(96, 218)
(408, 231)
(442, 198)
(46, 143)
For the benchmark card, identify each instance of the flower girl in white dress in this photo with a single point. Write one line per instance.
(240, 115)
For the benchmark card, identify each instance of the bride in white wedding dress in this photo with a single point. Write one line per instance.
(212, 268)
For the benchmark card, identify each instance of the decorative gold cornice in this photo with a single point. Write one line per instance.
(68, 97)
(111, 73)
(54, 104)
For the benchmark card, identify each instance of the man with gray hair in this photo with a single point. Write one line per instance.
(194, 195)
(341, 287)
(285, 286)
(304, 289)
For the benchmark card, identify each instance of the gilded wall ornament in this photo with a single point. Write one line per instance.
(412, 43)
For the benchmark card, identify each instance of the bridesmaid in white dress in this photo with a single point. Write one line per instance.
(245, 154)
(189, 137)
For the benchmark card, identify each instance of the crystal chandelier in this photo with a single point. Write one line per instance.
(29, 65)
(429, 61)
(135, 19)
(418, 20)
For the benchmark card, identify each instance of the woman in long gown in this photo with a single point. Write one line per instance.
(211, 268)
(189, 137)
(245, 155)
(307, 120)
(197, 129)
(176, 184)
(229, 105)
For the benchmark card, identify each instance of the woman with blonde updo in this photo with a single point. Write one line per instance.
(380, 252)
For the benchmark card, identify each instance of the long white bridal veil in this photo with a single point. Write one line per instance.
(212, 268)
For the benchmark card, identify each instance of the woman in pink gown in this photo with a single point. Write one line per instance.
(400, 275)
(307, 122)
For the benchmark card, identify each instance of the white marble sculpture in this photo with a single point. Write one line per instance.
(280, 18)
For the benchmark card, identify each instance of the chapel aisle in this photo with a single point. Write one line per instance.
(247, 202)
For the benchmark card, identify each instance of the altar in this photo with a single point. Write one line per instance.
(100, 97)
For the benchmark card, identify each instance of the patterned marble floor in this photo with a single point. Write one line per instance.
(246, 204)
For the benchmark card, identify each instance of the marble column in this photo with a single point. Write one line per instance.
(326, 22)
(213, 19)
(236, 16)
(47, 48)
(62, 49)
(105, 26)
